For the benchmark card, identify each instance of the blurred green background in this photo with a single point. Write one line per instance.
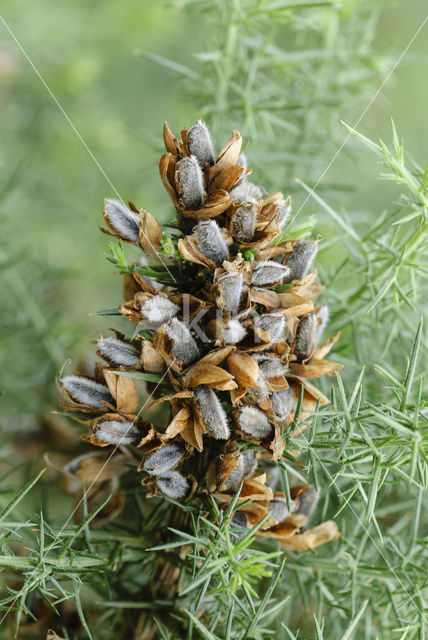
(93, 58)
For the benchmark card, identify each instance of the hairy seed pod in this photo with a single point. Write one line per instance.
(261, 392)
(283, 402)
(233, 332)
(245, 466)
(184, 347)
(270, 366)
(86, 391)
(119, 352)
(301, 259)
(116, 432)
(306, 503)
(210, 242)
(242, 160)
(239, 530)
(284, 214)
(122, 219)
(190, 182)
(245, 191)
(158, 310)
(199, 143)
(212, 413)
(173, 485)
(163, 459)
(231, 284)
(268, 272)
(306, 337)
(279, 509)
(323, 315)
(273, 323)
(273, 476)
(254, 422)
(244, 222)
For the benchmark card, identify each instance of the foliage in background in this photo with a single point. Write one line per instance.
(264, 63)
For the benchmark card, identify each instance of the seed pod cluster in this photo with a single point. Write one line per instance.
(226, 337)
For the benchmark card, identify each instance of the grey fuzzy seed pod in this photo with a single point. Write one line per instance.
(244, 222)
(323, 315)
(173, 485)
(284, 214)
(231, 284)
(301, 259)
(279, 509)
(190, 182)
(270, 366)
(233, 332)
(283, 402)
(268, 272)
(273, 323)
(164, 459)
(254, 422)
(306, 336)
(239, 519)
(199, 143)
(210, 242)
(260, 392)
(125, 221)
(306, 503)
(158, 310)
(184, 347)
(245, 466)
(116, 432)
(245, 191)
(119, 352)
(242, 160)
(86, 391)
(212, 413)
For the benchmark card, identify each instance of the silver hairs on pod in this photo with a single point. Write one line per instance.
(270, 366)
(184, 347)
(212, 413)
(173, 485)
(279, 509)
(122, 219)
(233, 332)
(323, 315)
(254, 422)
(190, 182)
(231, 285)
(306, 503)
(117, 432)
(158, 310)
(284, 211)
(244, 222)
(239, 519)
(306, 336)
(163, 459)
(119, 352)
(261, 392)
(301, 259)
(210, 241)
(245, 466)
(245, 191)
(199, 143)
(273, 323)
(283, 403)
(86, 391)
(268, 272)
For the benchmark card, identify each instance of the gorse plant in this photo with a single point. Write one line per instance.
(228, 331)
